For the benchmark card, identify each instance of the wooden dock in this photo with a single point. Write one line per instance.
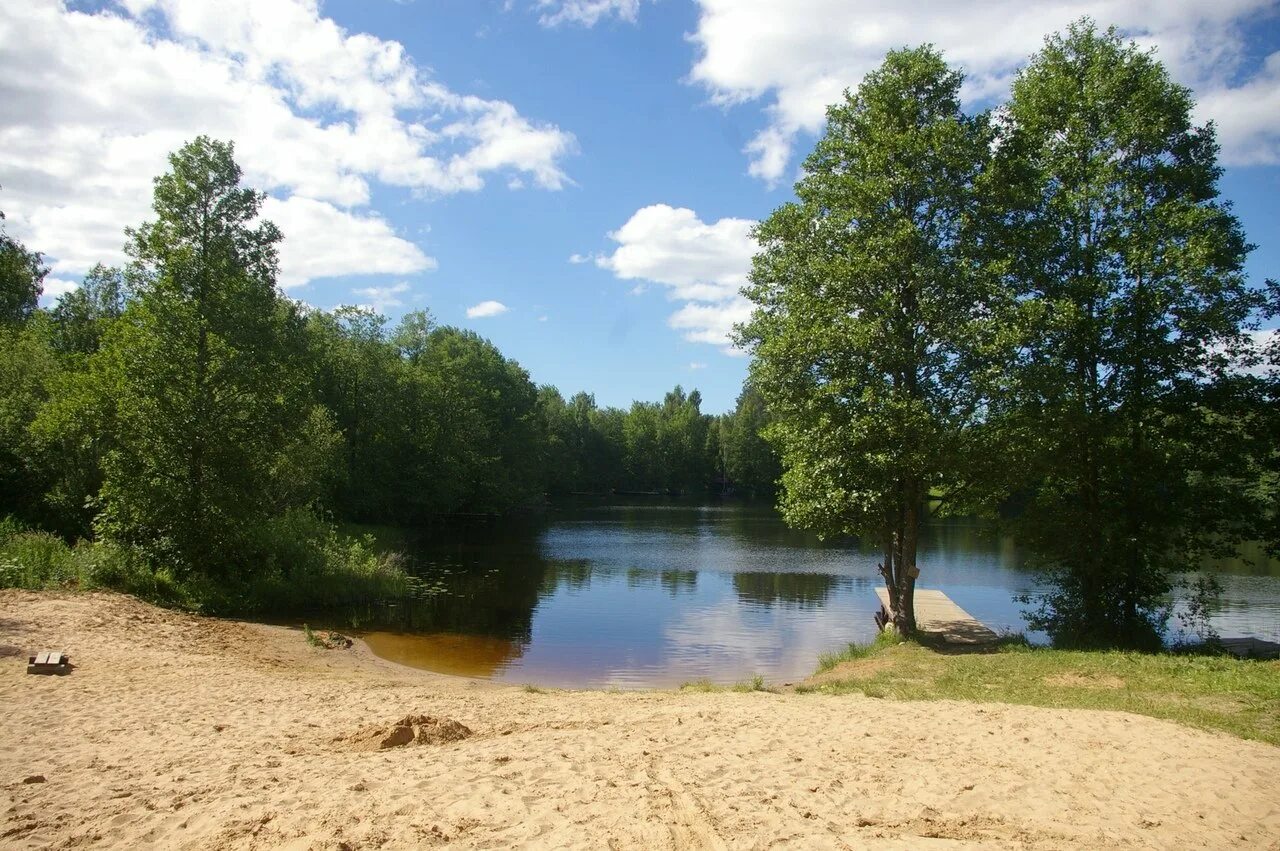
(1250, 648)
(937, 615)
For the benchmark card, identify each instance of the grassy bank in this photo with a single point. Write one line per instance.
(1237, 696)
(305, 565)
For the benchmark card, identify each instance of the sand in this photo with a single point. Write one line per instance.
(180, 732)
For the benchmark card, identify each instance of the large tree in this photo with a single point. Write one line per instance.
(867, 313)
(21, 278)
(213, 428)
(1132, 305)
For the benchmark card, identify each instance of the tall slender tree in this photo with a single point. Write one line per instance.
(201, 373)
(1127, 269)
(867, 312)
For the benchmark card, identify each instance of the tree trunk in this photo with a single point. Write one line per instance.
(908, 572)
(899, 567)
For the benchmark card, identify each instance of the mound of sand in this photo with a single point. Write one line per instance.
(409, 730)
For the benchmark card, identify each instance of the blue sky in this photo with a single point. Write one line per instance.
(577, 175)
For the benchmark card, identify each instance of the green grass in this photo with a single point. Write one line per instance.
(827, 661)
(705, 686)
(1238, 696)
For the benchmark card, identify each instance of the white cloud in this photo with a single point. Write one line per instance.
(56, 288)
(799, 57)
(94, 102)
(703, 265)
(579, 258)
(586, 13)
(695, 365)
(1247, 117)
(380, 298)
(322, 241)
(486, 308)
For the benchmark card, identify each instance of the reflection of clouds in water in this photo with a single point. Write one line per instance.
(730, 641)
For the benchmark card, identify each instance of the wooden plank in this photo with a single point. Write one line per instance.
(937, 614)
(48, 662)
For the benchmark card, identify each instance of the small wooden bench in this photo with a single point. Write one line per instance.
(49, 662)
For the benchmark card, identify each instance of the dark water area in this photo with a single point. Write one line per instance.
(658, 595)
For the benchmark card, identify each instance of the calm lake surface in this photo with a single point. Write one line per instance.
(658, 595)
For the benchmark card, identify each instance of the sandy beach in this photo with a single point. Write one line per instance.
(176, 731)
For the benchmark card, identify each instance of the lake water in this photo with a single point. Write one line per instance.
(658, 595)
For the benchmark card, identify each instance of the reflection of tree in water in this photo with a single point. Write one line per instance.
(676, 582)
(640, 578)
(483, 582)
(801, 589)
(955, 538)
(766, 528)
(573, 574)
(679, 581)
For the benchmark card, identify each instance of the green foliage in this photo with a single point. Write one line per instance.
(667, 447)
(306, 566)
(312, 639)
(38, 560)
(29, 371)
(750, 463)
(21, 279)
(82, 316)
(1117, 412)
(201, 376)
(868, 313)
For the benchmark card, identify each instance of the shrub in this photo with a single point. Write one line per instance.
(37, 560)
(306, 565)
(301, 564)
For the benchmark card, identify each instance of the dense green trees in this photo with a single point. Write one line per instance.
(27, 368)
(1051, 322)
(869, 311)
(187, 412)
(746, 458)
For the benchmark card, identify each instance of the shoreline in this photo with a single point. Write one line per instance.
(183, 731)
